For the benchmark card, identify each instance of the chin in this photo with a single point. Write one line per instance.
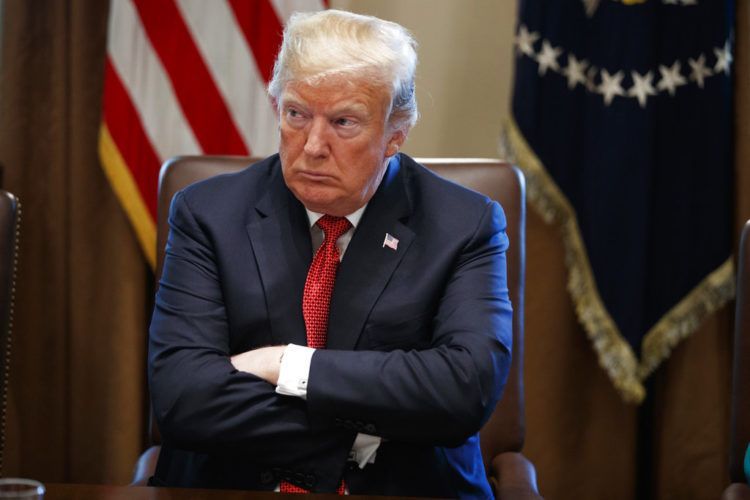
(313, 200)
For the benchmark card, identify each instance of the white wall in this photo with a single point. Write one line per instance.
(465, 73)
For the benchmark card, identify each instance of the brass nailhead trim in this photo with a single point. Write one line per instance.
(8, 341)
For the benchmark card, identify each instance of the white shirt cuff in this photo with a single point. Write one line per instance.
(293, 374)
(294, 371)
(364, 449)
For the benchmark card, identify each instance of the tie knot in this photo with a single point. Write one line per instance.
(333, 227)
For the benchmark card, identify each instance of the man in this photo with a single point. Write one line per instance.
(334, 317)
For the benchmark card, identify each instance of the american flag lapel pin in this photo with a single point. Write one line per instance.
(390, 242)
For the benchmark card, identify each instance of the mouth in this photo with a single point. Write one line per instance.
(314, 176)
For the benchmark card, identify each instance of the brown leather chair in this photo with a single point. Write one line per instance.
(740, 419)
(511, 474)
(9, 219)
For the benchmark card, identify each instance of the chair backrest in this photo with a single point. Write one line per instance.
(9, 216)
(496, 179)
(740, 420)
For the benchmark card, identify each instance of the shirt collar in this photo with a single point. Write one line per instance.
(353, 218)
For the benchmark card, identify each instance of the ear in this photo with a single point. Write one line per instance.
(395, 142)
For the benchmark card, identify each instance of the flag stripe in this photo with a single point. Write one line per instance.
(195, 90)
(131, 140)
(186, 77)
(263, 31)
(147, 83)
(232, 67)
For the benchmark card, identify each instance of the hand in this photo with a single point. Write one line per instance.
(263, 362)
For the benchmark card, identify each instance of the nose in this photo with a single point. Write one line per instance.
(317, 144)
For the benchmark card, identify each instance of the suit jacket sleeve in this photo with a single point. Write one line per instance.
(441, 394)
(200, 400)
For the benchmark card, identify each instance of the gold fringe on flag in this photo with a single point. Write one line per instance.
(615, 355)
(127, 192)
(714, 291)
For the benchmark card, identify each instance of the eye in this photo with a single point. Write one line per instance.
(294, 116)
(344, 122)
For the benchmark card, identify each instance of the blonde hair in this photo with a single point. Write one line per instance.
(334, 42)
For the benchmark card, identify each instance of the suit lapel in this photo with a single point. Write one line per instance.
(368, 264)
(280, 237)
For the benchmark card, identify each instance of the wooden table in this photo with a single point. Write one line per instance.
(107, 492)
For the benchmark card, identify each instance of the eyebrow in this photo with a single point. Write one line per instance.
(292, 101)
(353, 106)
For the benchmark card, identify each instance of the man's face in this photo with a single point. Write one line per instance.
(334, 142)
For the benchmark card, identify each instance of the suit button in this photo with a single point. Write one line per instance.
(370, 429)
(299, 478)
(266, 477)
(310, 480)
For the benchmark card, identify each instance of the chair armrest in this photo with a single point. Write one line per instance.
(736, 491)
(514, 477)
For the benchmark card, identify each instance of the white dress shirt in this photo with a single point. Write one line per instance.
(295, 362)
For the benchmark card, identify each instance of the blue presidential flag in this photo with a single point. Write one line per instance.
(622, 123)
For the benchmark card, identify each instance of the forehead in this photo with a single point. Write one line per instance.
(337, 91)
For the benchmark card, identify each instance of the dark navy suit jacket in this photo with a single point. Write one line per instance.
(419, 337)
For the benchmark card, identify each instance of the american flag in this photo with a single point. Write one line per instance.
(390, 242)
(186, 77)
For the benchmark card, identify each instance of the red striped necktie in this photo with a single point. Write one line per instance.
(317, 297)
